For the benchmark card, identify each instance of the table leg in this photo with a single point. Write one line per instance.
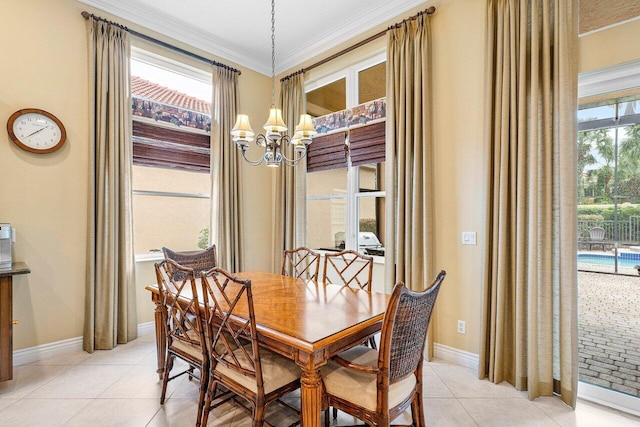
(6, 329)
(161, 337)
(311, 395)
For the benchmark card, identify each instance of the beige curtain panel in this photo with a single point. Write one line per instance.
(290, 197)
(529, 320)
(409, 157)
(110, 309)
(226, 177)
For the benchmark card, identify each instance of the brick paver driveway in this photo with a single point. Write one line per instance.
(609, 331)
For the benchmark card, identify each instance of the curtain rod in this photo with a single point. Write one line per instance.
(87, 15)
(429, 11)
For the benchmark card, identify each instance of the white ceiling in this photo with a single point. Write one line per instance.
(240, 30)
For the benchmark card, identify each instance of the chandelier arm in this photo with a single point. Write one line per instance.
(293, 162)
(248, 160)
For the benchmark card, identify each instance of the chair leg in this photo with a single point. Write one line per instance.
(326, 418)
(258, 416)
(209, 396)
(417, 410)
(204, 385)
(335, 413)
(372, 343)
(165, 379)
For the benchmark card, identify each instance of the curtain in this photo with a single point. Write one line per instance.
(529, 324)
(226, 178)
(110, 306)
(409, 157)
(290, 194)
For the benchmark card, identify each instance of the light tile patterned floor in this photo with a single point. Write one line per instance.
(120, 388)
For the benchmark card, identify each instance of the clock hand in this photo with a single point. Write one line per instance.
(33, 133)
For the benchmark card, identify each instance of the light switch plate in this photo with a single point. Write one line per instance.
(468, 237)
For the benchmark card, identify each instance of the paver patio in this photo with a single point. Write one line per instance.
(609, 330)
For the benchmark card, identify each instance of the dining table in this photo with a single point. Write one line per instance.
(305, 321)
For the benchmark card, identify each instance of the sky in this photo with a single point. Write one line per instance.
(172, 80)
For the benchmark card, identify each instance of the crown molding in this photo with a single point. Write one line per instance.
(348, 31)
(223, 49)
(180, 31)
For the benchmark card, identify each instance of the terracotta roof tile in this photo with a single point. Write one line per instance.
(145, 89)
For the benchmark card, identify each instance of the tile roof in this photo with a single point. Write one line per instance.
(145, 89)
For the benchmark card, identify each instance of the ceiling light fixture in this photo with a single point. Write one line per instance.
(275, 137)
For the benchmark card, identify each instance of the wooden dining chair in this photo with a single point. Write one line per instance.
(183, 327)
(198, 261)
(377, 386)
(348, 268)
(301, 262)
(238, 363)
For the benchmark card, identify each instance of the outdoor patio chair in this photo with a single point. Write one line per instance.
(596, 237)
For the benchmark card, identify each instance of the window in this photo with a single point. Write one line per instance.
(345, 162)
(171, 106)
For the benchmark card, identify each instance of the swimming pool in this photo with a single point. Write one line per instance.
(625, 259)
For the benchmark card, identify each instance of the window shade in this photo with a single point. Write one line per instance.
(327, 152)
(172, 149)
(367, 144)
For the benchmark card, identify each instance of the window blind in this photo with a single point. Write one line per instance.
(172, 149)
(367, 144)
(327, 152)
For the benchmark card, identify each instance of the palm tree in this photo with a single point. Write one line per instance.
(592, 142)
(630, 165)
(630, 146)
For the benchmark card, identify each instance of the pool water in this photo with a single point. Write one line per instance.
(625, 259)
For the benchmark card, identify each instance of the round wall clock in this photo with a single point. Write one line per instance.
(36, 130)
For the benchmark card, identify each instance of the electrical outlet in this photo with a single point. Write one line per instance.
(462, 327)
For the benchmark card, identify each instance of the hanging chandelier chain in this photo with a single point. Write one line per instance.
(275, 140)
(273, 53)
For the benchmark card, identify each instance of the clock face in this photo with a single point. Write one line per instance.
(36, 131)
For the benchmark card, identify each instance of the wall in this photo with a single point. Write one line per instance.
(606, 48)
(44, 49)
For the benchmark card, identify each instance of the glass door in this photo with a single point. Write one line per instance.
(609, 251)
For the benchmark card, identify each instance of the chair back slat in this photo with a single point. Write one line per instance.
(404, 328)
(230, 322)
(180, 299)
(198, 261)
(349, 269)
(301, 262)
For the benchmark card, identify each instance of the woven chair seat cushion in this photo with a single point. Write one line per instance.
(193, 351)
(359, 387)
(276, 371)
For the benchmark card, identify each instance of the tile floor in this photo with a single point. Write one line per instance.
(120, 388)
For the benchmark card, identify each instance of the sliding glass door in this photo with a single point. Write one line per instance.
(609, 251)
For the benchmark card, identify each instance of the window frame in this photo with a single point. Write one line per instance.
(167, 64)
(353, 195)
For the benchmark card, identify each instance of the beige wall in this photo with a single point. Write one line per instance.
(43, 46)
(44, 65)
(606, 48)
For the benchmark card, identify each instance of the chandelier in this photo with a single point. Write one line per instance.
(275, 137)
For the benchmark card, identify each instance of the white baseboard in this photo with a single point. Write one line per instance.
(146, 328)
(39, 352)
(459, 357)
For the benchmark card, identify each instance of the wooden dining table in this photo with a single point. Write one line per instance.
(305, 321)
